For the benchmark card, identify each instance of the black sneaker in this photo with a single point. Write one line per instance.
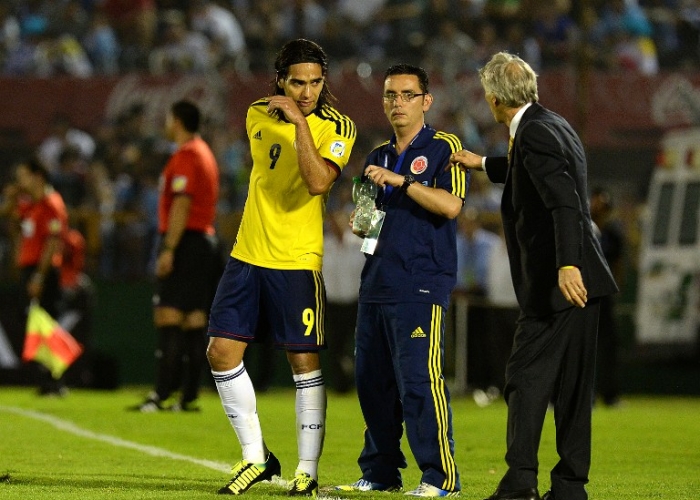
(183, 406)
(246, 474)
(53, 392)
(151, 404)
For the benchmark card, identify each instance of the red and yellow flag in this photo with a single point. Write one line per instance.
(48, 343)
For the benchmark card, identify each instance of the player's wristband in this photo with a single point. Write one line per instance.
(567, 267)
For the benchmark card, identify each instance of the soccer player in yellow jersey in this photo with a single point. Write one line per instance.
(273, 283)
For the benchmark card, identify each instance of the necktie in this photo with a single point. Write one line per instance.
(510, 146)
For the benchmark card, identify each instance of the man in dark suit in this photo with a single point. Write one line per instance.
(559, 275)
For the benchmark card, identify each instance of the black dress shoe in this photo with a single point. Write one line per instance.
(526, 494)
(548, 496)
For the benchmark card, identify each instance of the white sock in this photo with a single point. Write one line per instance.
(238, 399)
(311, 420)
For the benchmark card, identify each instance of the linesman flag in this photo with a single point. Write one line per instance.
(48, 343)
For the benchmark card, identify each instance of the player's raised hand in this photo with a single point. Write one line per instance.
(287, 106)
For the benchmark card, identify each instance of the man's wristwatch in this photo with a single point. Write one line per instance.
(407, 181)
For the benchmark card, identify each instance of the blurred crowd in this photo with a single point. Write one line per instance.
(108, 176)
(83, 38)
(108, 179)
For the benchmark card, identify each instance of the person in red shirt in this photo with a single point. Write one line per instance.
(73, 259)
(188, 263)
(43, 220)
(77, 306)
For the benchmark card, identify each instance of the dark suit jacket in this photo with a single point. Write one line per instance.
(545, 211)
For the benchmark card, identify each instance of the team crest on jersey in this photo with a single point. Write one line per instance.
(418, 165)
(179, 183)
(338, 149)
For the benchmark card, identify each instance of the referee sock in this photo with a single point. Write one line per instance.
(311, 420)
(195, 340)
(238, 399)
(168, 360)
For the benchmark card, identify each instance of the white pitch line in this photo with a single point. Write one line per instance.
(70, 427)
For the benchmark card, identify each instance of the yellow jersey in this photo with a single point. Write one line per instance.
(282, 224)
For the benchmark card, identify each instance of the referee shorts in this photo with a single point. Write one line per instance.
(51, 293)
(252, 302)
(197, 266)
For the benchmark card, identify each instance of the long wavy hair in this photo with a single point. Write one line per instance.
(296, 52)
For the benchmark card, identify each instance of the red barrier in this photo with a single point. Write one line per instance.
(623, 111)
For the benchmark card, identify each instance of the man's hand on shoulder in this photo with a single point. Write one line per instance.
(465, 160)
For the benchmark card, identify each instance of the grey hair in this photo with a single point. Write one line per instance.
(510, 79)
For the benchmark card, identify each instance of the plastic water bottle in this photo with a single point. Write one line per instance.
(363, 195)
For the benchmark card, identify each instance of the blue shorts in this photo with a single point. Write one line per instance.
(253, 301)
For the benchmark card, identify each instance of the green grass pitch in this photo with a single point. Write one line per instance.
(86, 446)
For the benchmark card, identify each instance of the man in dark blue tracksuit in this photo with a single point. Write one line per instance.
(405, 289)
